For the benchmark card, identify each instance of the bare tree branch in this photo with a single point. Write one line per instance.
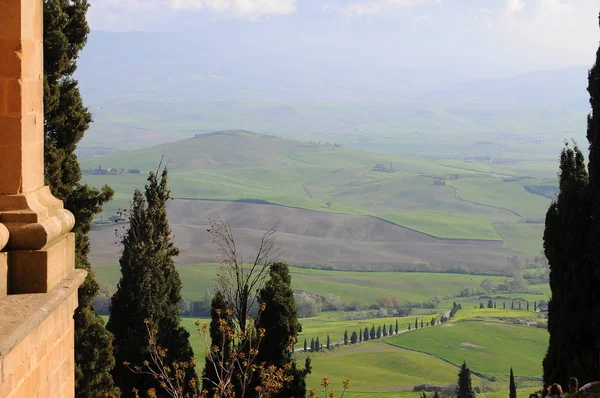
(238, 280)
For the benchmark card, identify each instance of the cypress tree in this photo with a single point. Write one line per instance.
(409, 326)
(354, 338)
(305, 346)
(328, 343)
(372, 334)
(396, 326)
(432, 321)
(512, 387)
(535, 306)
(378, 333)
(421, 323)
(346, 337)
(519, 304)
(317, 344)
(391, 330)
(149, 288)
(66, 120)
(366, 334)
(464, 389)
(571, 245)
(504, 305)
(360, 336)
(416, 323)
(572, 280)
(312, 345)
(512, 305)
(385, 333)
(280, 322)
(218, 310)
(528, 306)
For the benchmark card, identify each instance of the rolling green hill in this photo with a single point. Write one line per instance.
(489, 347)
(444, 199)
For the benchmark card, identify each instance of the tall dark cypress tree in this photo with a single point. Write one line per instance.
(512, 388)
(280, 321)
(572, 344)
(396, 326)
(366, 334)
(346, 337)
(218, 310)
(66, 121)
(464, 389)
(149, 288)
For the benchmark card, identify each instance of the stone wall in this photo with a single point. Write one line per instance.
(37, 342)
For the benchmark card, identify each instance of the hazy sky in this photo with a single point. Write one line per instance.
(482, 36)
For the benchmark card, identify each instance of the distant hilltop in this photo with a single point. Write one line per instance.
(233, 133)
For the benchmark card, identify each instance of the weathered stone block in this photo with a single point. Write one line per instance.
(3, 274)
(38, 271)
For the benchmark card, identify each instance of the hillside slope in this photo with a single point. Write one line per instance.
(450, 200)
(314, 238)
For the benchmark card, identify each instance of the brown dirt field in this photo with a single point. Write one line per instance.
(312, 238)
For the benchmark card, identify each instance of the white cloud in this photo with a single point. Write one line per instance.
(514, 5)
(565, 30)
(245, 9)
(373, 7)
(241, 8)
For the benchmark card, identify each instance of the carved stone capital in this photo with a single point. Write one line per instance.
(33, 220)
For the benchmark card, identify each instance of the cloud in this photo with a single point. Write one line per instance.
(244, 9)
(515, 5)
(240, 8)
(373, 7)
(551, 29)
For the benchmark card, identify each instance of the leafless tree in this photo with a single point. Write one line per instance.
(239, 279)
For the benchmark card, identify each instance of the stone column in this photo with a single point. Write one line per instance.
(38, 282)
(40, 248)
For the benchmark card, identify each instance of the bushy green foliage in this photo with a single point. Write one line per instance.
(280, 323)
(218, 311)
(149, 289)
(66, 120)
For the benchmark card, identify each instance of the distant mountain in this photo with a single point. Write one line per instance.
(172, 66)
(564, 87)
(151, 88)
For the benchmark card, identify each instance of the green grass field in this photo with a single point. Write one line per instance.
(392, 366)
(489, 347)
(366, 287)
(467, 203)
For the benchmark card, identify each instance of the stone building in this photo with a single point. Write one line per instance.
(38, 281)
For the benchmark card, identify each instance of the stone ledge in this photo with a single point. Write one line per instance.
(21, 313)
